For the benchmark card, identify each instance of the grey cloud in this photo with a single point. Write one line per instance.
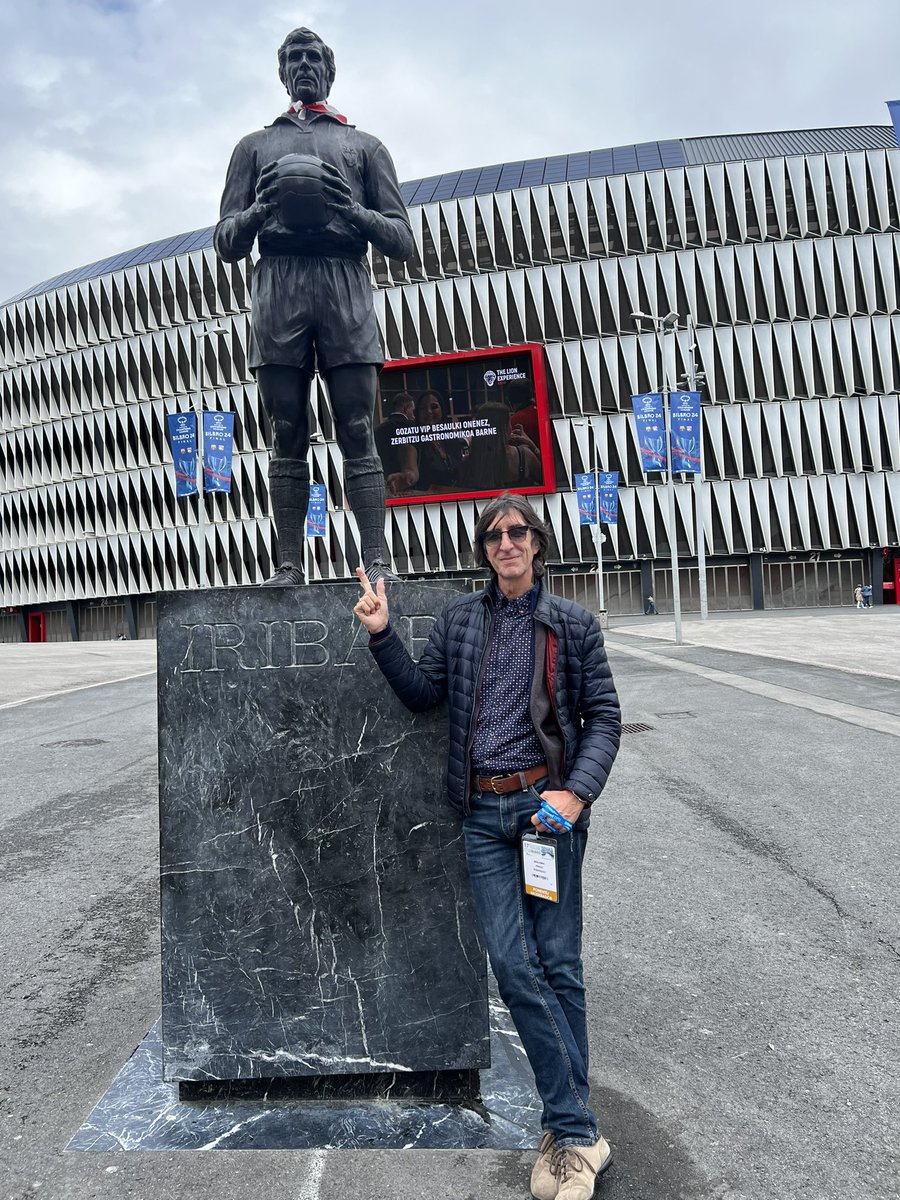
(120, 117)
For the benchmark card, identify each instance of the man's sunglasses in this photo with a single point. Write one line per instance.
(518, 533)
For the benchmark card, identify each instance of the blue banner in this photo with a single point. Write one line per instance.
(608, 494)
(894, 110)
(218, 448)
(315, 513)
(183, 440)
(586, 493)
(684, 431)
(651, 435)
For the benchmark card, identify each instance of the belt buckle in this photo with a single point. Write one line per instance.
(495, 779)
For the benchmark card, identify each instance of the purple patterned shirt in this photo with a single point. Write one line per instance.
(505, 740)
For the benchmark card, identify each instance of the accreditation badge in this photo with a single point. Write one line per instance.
(539, 867)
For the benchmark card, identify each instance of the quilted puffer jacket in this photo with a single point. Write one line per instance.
(574, 706)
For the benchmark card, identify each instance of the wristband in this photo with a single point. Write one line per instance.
(547, 810)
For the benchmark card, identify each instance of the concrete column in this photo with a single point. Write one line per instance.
(131, 617)
(22, 622)
(756, 582)
(646, 582)
(72, 618)
(876, 574)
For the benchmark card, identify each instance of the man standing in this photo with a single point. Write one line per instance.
(534, 729)
(402, 417)
(312, 296)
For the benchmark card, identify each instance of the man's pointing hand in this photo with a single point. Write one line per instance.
(372, 608)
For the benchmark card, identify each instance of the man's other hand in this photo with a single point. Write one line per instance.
(372, 608)
(566, 804)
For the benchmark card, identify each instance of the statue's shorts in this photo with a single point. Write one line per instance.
(312, 313)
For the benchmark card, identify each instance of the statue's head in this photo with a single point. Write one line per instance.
(305, 66)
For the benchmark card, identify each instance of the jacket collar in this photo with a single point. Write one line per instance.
(490, 595)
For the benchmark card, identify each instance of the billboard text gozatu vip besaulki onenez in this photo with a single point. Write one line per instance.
(464, 425)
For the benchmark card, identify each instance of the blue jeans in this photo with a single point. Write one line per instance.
(534, 947)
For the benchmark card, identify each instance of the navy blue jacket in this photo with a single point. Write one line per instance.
(574, 706)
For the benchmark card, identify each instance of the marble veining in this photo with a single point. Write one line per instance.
(316, 916)
(140, 1111)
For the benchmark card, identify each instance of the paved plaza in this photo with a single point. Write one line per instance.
(742, 948)
(858, 641)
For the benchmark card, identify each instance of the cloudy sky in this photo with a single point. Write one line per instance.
(118, 116)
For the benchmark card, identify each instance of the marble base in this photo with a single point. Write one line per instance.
(316, 915)
(451, 1087)
(140, 1111)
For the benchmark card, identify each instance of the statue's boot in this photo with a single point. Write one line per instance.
(364, 485)
(289, 501)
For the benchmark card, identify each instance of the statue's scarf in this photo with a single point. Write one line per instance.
(300, 109)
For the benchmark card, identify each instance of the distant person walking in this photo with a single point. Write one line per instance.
(867, 595)
(857, 595)
(650, 609)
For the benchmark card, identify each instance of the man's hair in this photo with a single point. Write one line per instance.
(401, 400)
(508, 503)
(518, 394)
(306, 37)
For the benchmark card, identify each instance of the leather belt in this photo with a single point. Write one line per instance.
(516, 782)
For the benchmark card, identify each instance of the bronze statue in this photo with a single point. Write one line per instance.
(315, 191)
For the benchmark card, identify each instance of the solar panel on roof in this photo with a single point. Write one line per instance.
(202, 238)
(172, 247)
(425, 190)
(467, 182)
(601, 162)
(578, 166)
(672, 154)
(447, 186)
(533, 172)
(132, 259)
(488, 180)
(648, 156)
(624, 159)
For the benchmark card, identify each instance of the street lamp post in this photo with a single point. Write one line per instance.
(699, 495)
(660, 326)
(215, 331)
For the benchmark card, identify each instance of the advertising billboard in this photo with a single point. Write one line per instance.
(464, 426)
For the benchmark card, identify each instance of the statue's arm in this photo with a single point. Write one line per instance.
(241, 215)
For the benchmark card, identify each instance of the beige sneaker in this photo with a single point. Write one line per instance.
(543, 1181)
(577, 1167)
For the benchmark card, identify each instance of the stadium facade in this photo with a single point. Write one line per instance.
(783, 248)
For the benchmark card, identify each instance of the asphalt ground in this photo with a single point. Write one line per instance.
(742, 948)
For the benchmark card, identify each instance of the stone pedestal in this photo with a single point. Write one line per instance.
(316, 916)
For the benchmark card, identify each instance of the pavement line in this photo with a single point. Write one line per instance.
(310, 1188)
(781, 656)
(869, 718)
(82, 687)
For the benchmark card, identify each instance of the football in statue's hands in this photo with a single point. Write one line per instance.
(301, 204)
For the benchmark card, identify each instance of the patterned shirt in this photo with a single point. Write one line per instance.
(505, 740)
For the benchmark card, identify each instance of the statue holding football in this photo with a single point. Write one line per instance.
(314, 191)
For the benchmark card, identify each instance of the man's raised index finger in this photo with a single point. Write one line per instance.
(364, 580)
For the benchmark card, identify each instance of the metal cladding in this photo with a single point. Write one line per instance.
(789, 264)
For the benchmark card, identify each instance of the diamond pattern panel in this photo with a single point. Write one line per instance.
(789, 267)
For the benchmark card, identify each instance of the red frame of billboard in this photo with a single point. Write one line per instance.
(538, 373)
